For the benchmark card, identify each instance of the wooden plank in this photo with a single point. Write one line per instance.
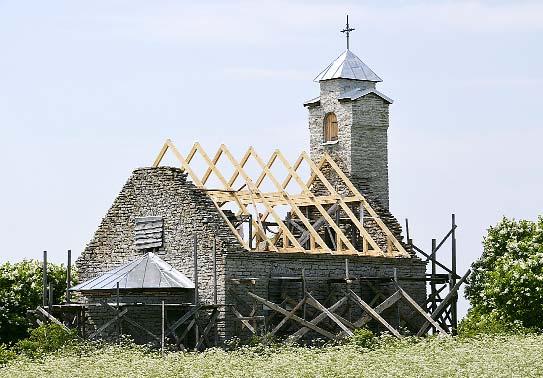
(293, 206)
(344, 207)
(244, 321)
(281, 310)
(302, 331)
(452, 293)
(254, 189)
(372, 212)
(415, 305)
(185, 332)
(276, 198)
(317, 224)
(108, 323)
(207, 328)
(287, 318)
(313, 302)
(366, 307)
(387, 303)
(151, 219)
(161, 153)
(221, 178)
(51, 317)
(186, 167)
(183, 319)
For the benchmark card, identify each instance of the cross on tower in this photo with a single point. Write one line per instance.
(347, 30)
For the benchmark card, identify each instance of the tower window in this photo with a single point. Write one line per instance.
(330, 128)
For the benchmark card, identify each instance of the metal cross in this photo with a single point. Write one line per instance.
(347, 30)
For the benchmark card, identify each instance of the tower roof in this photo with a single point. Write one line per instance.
(146, 272)
(348, 66)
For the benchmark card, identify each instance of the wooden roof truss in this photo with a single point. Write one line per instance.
(268, 229)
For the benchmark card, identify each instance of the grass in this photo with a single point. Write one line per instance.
(487, 356)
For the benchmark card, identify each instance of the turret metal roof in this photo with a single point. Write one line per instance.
(357, 93)
(146, 272)
(348, 66)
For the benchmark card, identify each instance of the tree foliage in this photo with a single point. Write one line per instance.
(507, 281)
(21, 290)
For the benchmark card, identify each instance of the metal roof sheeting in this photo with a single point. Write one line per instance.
(146, 272)
(357, 93)
(313, 101)
(348, 66)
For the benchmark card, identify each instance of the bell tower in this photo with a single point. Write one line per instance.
(349, 120)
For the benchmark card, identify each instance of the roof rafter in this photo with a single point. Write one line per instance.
(276, 235)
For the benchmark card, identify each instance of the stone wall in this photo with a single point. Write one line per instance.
(362, 146)
(369, 146)
(318, 269)
(185, 210)
(165, 192)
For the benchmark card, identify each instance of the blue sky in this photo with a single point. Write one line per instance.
(89, 91)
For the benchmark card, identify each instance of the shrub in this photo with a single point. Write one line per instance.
(480, 323)
(506, 287)
(364, 338)
(21, 290)
(47, 338)
(6, 354)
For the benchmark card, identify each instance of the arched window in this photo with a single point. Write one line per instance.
(330, 128)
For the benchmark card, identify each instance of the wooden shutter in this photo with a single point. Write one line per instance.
(330, 128)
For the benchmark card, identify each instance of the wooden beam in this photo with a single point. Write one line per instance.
(452, 293)
(366, 307)
(51, 317)
(161, 153)
(302, 331)
(198, 148)
(313, 302)
(293, 206)
(183, 319)
(102, 328)
(387, 303)
(303, 322)
(372, 212)
(212, 319)
(253, 188)
(317, 224)
(419, 309)
(185, 332)
(287, 317)
(244, 321)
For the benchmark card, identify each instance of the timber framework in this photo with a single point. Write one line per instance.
(268, 230)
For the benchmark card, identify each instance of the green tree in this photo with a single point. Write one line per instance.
(507, 281)
(21, 290)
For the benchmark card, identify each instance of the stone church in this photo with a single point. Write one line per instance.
(168, 238)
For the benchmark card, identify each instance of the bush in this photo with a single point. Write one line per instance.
(478, 323)
(47, 338)
(364, 338)
(21, 290)
(506, 287)
(6, 354)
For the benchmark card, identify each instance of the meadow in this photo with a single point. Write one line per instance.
(482, 356)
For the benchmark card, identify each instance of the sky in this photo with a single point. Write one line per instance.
(90, 90)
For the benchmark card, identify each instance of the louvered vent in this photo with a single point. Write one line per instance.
(149, 232)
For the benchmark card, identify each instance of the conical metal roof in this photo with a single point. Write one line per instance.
(146, 272)
(348, 66)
